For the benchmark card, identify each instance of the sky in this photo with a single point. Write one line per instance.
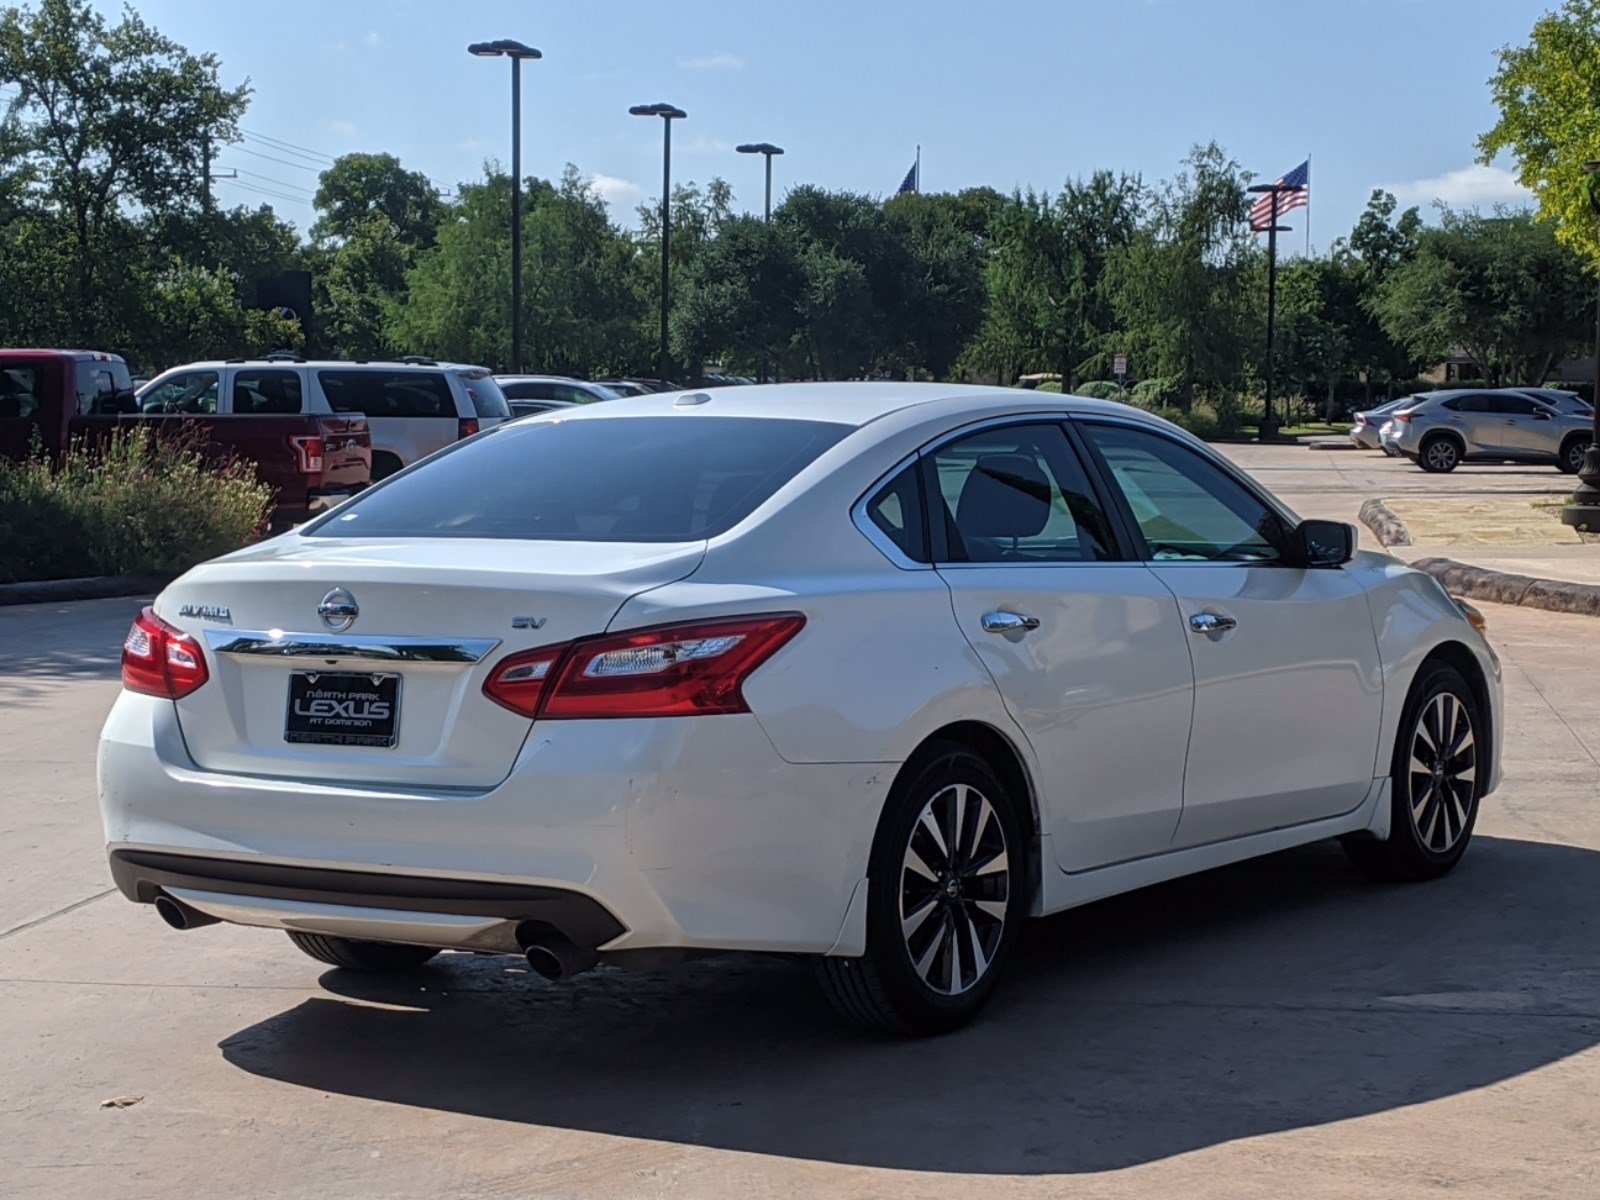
(1008, 93)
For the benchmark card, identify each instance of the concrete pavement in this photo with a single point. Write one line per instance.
(1279, 1028)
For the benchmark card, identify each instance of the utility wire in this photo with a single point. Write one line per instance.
(291, 187)
(290, 147)
(269, 158)
(251, 187)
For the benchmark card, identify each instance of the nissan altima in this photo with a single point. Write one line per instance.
(869, 673)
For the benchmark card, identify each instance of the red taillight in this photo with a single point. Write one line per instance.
(467, 426)
(160, 660)
(308, 452)
(697, 669)
(1403, 417)
(519, 681)
(1361, 419)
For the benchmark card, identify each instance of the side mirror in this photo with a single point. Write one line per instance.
(1324, 543)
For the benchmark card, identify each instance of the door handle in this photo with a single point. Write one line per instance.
(1212, 623)
(1007, 622)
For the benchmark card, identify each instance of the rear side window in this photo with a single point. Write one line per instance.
(19, 392)
(896, 510)
(266, 392)
(629, 479)
(389, 393)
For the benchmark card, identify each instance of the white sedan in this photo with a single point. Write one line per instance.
(868, 672)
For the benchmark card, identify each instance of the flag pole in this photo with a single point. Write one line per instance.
(1308, 206)
(918, 181)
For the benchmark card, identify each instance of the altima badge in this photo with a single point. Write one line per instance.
(338, 610)
(207, 612)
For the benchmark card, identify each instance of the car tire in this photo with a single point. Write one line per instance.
(1428, 835)
(384, 465)
(940, 926)
(1570, 461)
(1439, 455)
(361, 956)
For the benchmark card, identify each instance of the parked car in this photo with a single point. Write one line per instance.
(412, 407)
(1369, 423)
(311, 460)
(515, 703)
(553, 387)
(532, 408)
(1441, 430)
(626, 387)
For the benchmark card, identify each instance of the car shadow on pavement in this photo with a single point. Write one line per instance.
(1279, 994)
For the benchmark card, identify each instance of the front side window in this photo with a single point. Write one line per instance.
(625, 479)
(187, 392)
(1187, 507)
(1017, 494)
(102, 385)
(388, 393)
(266, 392)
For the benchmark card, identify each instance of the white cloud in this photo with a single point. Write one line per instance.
(713, 62)
(348, 130)
(373, 39)
(1467, 187)
(613, 190)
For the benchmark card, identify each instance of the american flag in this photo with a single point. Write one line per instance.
(911, 182)
(1299, 180)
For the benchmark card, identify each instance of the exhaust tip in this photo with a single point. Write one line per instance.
(179, 915)
(556, 957)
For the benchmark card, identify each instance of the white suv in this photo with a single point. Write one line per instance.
(413, 407)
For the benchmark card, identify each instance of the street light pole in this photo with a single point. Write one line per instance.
(516, 52)
(1269, 417)
(768, 151)
(668, 114)
(1583, 513)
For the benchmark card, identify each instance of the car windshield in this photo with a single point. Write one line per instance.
(625, 479)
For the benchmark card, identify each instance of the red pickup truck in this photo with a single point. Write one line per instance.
(312, 461)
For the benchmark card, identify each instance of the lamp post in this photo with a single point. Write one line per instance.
(668, 114)
(768, 150)
(516, 52)
(1269, 417)
(1584, 511)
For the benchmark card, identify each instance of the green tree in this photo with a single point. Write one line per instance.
(108, 118)
(1050, 299)
(361, 190)
(1548, 93)
(1185, 288)
(582, 295)
(741, 299)
(1502, 289)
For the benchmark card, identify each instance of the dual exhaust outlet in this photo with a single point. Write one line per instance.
(550, 954)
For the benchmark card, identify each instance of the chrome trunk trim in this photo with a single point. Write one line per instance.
(276, 643)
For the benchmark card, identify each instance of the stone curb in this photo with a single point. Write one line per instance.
(1332, 443)
(94, 587)
(1389, 529)
(1482, 583)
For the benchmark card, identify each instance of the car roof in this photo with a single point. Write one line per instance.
(322, 363)
(854, 404)
(544, 379)
(74, 355)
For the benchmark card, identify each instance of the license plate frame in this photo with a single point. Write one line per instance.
(349, 697)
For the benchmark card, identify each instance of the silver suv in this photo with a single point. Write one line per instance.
(413, 407)
(1441, 430)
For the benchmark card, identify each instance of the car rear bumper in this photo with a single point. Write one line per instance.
(623, 835)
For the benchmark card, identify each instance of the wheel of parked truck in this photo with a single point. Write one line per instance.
(361, 956)
(944, 899)
(384, 465)
(1435, 781)
(1439, 454)
(1572, 452)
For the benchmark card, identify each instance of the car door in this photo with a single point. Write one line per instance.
(1083, 644)
(1288, 685)
(1529, 429)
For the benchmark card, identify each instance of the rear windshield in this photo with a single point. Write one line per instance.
(487, 398)
(389, 393)
(624, 479)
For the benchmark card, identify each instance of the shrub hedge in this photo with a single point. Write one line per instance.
(136, 504)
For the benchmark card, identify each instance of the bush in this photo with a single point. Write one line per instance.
(1157, 393)
(137, 504)
(1101, 389)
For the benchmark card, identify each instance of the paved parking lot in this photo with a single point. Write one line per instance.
(1278, 1028)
